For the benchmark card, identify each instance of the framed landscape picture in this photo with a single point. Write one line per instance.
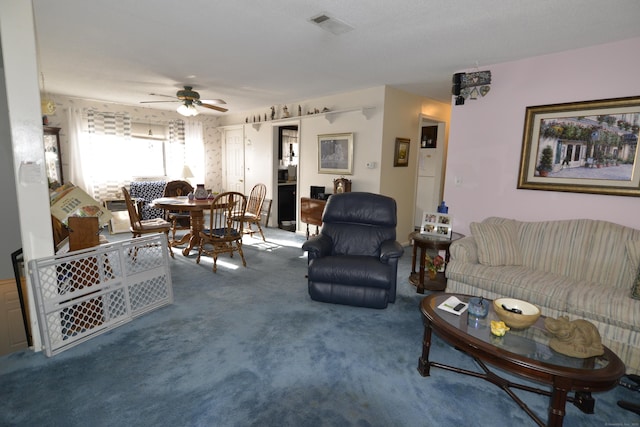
(582, 147)
(335, 153)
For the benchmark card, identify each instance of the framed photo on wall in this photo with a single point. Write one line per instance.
(401, 153)
(436, 224)
(335, 153)
(582, 147)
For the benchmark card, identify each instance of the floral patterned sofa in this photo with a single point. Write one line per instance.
(588, 269)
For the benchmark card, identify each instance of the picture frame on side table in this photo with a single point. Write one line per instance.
(436, 224)
(401, 152)
(335, 153)
(582, 147)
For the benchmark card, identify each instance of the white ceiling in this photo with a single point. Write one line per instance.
(260, 53)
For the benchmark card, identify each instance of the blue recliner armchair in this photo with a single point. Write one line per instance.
(354, 259)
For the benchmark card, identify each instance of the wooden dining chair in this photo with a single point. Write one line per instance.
(145, 226)
(224, 234)
(179, 219)
(253, 214)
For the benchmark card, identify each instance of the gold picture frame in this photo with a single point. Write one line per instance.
(401, 152)
(582, 147)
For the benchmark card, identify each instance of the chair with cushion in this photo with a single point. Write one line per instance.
(254, 209)
(145, 226)
(354, 259)
(179, 219)
(145, 192)
(224, 234)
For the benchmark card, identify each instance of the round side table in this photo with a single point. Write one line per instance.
(429, 242)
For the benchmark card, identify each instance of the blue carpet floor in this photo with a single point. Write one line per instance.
(247, 347)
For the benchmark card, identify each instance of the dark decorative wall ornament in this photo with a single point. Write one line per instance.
(470, 85)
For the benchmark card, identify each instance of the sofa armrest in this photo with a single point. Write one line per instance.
(318, 246)
(465, 250)
(390, 249)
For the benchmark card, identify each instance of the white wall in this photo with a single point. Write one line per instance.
(23, 101)
(486, 136)
(395, 114)
(261, 153)
(402, 119)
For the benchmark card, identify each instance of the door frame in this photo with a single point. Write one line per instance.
(275, 141)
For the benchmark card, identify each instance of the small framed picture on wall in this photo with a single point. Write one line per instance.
(401, 152)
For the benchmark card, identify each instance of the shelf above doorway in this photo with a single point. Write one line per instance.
(330, 116)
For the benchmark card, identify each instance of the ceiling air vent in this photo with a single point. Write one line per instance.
(330, 24)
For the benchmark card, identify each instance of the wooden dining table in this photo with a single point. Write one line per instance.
(196, 210)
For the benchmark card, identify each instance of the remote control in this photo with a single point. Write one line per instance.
(458, 307)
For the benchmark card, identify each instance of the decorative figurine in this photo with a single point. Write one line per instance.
(285, 112)
(273, 112)
(498, 328)
(577, 338)
(299, 110)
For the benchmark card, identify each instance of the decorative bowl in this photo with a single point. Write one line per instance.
(515, 313)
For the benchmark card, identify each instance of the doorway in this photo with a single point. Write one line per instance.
(234, 160)
(431, 154)
(288, 160)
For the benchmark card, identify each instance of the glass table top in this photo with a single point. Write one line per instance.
(532, 342)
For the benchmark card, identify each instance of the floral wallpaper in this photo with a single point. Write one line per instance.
(212, 139)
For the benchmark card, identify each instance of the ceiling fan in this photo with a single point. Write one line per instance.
(189, 98)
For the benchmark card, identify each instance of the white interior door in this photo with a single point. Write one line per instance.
(234, 160)
(430, 171)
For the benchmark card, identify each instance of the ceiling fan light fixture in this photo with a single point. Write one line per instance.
(187, 110)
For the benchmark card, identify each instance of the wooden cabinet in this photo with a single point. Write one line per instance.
(52, 156)
(311, 212)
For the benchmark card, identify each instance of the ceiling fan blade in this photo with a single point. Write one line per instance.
(161, 94)
(213, 101)
(153, 102)
(213, 107)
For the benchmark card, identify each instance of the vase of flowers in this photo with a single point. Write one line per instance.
(433, 265)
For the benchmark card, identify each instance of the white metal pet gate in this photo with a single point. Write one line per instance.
(85, 293)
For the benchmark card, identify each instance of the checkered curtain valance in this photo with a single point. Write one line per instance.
(118, 124)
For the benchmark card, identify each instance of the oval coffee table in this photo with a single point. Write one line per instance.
(521, 352)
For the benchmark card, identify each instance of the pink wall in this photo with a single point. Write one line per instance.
(485, 137)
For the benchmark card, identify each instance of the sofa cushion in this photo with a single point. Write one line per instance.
(635, 290)
(550, 290)
(633, 253)
(497, 243)
(604, 304)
